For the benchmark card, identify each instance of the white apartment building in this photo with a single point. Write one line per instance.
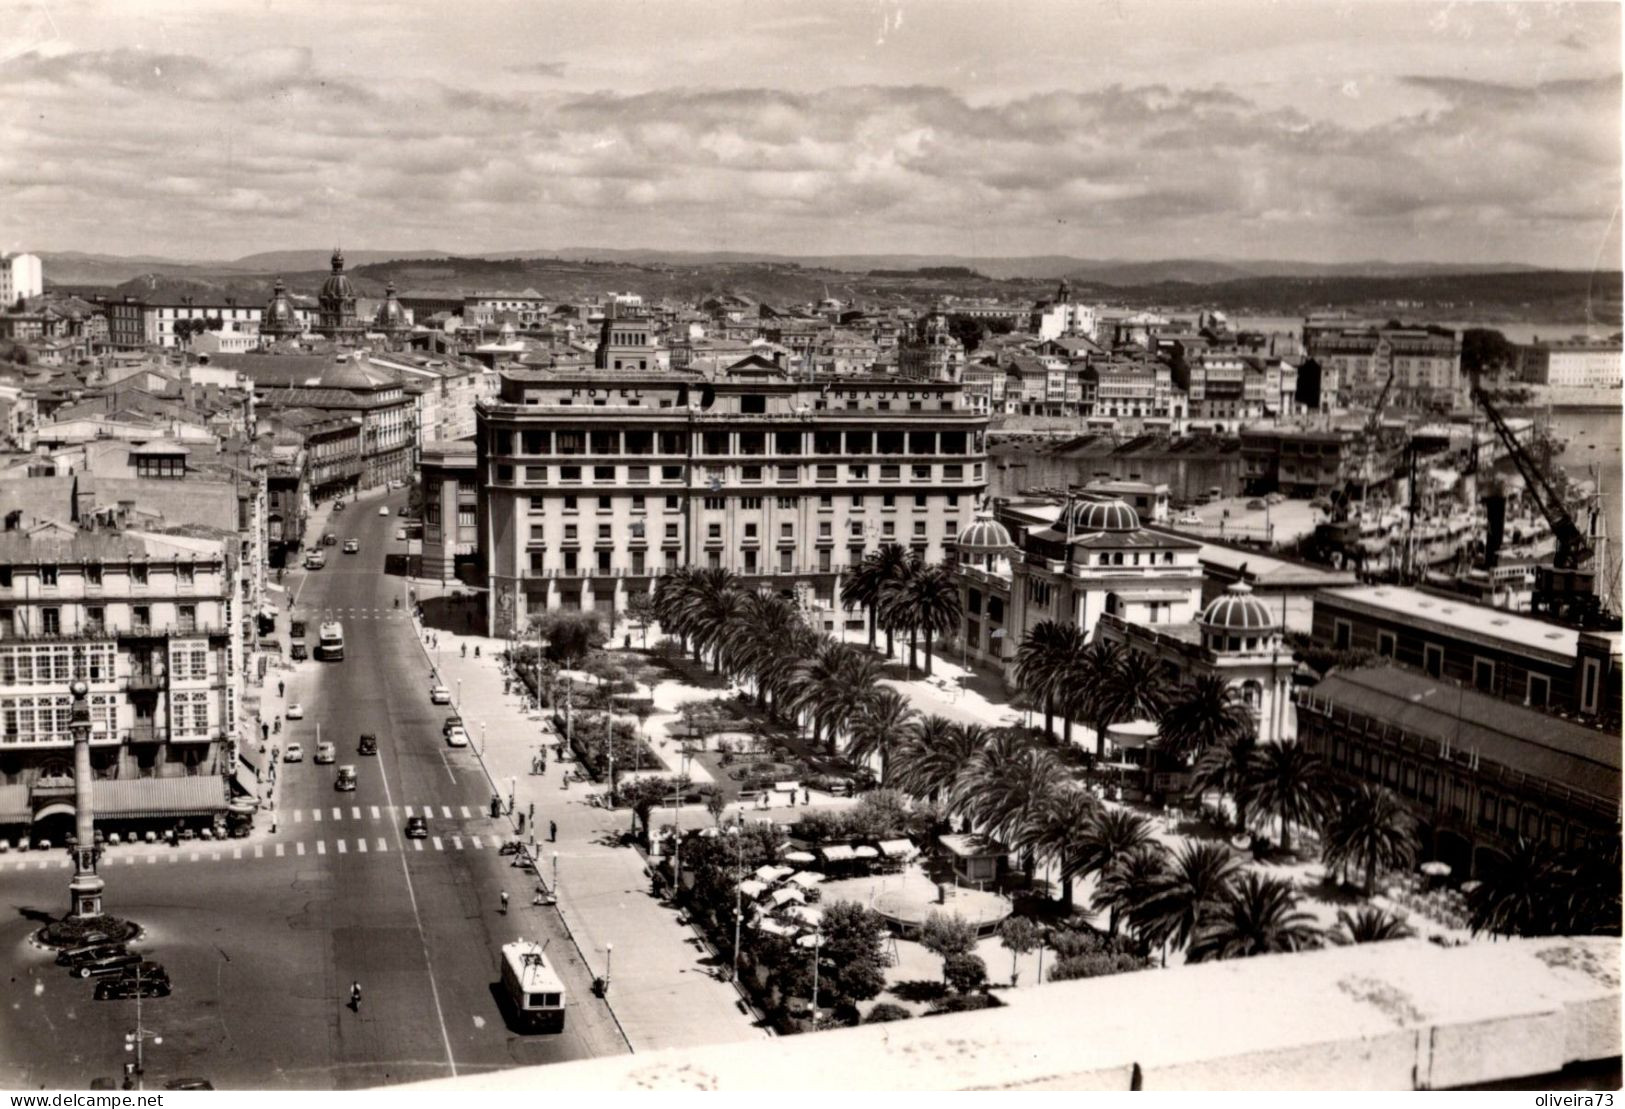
(240, 323)
(1579, 363)
(594, 482)
(150, 622)
(21, 275)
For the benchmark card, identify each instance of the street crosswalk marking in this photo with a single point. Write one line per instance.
(477, 842)
(279, 851)
(382, 846)
(361, 846)
(375, 812)
(259, 851)
(438, 846)
(321, 847)
(342, 848)
(338, 814)
(236, 852)
(446, 809)
(409, 810)
(215, 855)
(355, 812)
(316, 815)
(457, 842)
(152, 859)
(173, 858)
(417, 845)
(466, 814)
(299, 816)
(194, 856)
(299, 849)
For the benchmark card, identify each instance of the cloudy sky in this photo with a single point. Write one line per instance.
(1101, 128)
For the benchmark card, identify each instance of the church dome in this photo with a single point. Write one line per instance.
(279, 318)
(1108, 515)
(337, 287)
(391, 316)
(984, 536)
(1238, 612)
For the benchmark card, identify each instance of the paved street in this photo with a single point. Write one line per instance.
(263, 937)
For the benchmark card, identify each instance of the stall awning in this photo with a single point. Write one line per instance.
(203, 795)
(751, 888)
(838, 853)
(14, 806)
(1133, 733)
(898, 848)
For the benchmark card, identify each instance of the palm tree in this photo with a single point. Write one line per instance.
(1086, 683)
(865, 584)
(1259, 916)
(1370, 828)
(1515, 896)
(833, 685)
(1228, 768)
(1589, 895)
(1042, 662)
(1122, 685)
(714, 603)
(932, 759)
(1006, 785)
(881, 725)
(1290, 783)
(1206, 713)
(1369, 926)
(1127, 885)
(1060, 828)
(1196, 882)
(672, 591)
(925, 599)
(1112, 834)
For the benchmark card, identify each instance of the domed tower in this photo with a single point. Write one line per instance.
(1236, 622)
(1092, 517)
(280, 320)
(336, 316)
(391, 317)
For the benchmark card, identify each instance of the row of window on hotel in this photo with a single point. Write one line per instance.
(49, 574)
(1405, 777)
(720, 442)
(750, 561)
(787, 531)
(95, 622)
(857, 472)
(60, 663)
(826, 503)
(48, 719)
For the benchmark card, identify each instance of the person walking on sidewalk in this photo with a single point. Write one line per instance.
(504, 902)
(552, 831)
(355, 997)
(281, 689)
(465, 650)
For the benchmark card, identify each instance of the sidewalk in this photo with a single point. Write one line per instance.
(660, 993)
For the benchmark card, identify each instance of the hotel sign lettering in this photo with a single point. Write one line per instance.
(897, 394)
(593, 391)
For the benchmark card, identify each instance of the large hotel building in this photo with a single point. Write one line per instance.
(596, 481)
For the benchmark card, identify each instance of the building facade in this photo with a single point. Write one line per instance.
(593, 482)
(21, 276)
(1580, 363)
(1424, 362)
(148, 620)
(451, 505)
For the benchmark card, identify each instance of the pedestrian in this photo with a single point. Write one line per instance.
(355, 997)
(465, 650)
(281, 689)
(521, 823)
(533, 812)
(504, 902)
(476, 650)
(552, 832)
(265, 731)
(806, 796)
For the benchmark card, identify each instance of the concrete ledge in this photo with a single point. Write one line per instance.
(1391, 1016)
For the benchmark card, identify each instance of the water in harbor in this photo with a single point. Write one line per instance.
(1593, 436)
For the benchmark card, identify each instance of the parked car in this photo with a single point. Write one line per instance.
(439, 695)
(1256, 505)
(88, 953)
(346, 780)
(338, 506)
(383, 510)
(457, 737)
(101, 968)
(397, 483)
(152, 981)
(329, 539)
(417, 828)
(351, 546)
(294, 753)
(295, 711)
(400, 533)
(451, 722)
(1274, 498)
(1189, 519)
(326, 753)
(402, 511)
(315, 561)
(368, 745)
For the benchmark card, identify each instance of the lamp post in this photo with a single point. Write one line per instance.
(482, 725)
(685, 752)
(85, 889)
(609, 964)
(136, 1041)
(739, 894)
(555, 874)
(818, 941)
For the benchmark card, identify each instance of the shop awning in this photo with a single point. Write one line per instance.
(751, 888)
(14, 806)
(837, 853)
(898, 848)
(202, 795)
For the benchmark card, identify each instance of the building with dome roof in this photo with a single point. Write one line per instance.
(336, 312)
(931, 353)
(281, 319)
(392, 320)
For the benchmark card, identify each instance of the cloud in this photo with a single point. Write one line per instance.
(538, 69)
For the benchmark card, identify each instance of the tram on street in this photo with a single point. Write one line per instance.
(330, 646)
(534, 991)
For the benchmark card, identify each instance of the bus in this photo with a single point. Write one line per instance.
(331, 645)
(532, 987)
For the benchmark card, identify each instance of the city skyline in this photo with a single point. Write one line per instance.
(1333, 133)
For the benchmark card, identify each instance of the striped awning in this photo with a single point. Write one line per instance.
(14, 806)
(202, 795)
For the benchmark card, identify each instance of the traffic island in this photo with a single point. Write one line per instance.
(81, 931)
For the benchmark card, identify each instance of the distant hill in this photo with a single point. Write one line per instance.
(294, 261)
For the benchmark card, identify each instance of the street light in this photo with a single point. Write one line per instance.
(818, 940)
(739, 894)
(482, 726)
(85, 888)
(136, 1041)
(555, 874)
(609, 963)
